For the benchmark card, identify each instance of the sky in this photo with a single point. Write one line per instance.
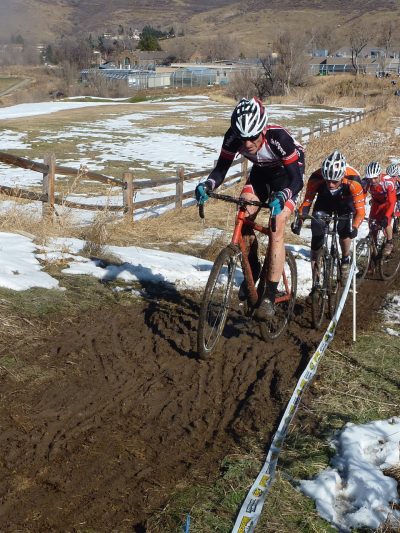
(352, 492)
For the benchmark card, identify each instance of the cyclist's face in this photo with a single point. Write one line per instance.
(376, 180)
(333, 185)
(253, 144)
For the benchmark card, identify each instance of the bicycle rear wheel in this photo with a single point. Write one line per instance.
(334, 284)
(285, 300)
(318, 297)
(216, 300)
(363, 258)
(389, 265)
(396, 227)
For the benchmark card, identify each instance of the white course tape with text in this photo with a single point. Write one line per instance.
(250, 511)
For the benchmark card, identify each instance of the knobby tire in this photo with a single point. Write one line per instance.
(334, 284)
(318, 297)
(216, 300)
(363, 258)
(389, 265)
(275, 326)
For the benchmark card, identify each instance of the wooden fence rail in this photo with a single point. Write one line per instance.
(49, 169)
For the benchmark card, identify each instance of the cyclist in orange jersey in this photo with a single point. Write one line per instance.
(338, 189)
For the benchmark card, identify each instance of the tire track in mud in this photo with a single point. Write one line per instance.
(131, 411)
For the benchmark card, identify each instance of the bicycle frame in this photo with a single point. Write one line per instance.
(218, 291)
(255, 296)
(330, 231)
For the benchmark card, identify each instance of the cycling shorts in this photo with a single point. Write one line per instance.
(318, 228)
(265, 180)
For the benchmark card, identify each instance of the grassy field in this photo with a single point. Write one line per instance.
(7, 82)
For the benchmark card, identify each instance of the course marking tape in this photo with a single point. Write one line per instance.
(250, 511)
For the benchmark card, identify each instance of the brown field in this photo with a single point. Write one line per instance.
(109, 422)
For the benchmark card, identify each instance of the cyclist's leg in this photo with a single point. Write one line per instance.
(265, 181)
(344, 230)
(250, 238)
(317, 240)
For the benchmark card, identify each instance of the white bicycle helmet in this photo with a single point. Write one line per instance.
(393, 170)
(334, 167)
(373, 170)
(249, 118)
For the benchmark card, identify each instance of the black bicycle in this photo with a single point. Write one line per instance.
(371, 259)
(327, 274)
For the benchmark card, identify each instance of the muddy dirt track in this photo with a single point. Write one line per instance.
(124, 410)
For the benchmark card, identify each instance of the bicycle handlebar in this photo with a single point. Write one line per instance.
(326, 218)
(241, 202)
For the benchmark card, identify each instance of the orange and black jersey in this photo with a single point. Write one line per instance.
(279, 150)
(349, 196)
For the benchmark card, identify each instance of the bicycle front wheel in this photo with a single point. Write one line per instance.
(363, 258)
(285, 300)
(334, 284)
(216, 300)
(318, 297)
(389, 265)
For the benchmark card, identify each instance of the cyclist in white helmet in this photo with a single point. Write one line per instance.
(383, 201)
(338, 189)
(393, 171)
(276, 176)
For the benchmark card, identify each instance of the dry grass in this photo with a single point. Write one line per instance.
(362, 142)
(340, 90)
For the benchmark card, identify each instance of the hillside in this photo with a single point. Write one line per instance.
(41, 20)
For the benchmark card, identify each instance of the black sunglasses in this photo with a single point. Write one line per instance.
(251, 139)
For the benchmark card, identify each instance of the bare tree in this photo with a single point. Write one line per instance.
(385, 40)
(247, 83)
(358, 41)
(291, 67)
(78, 52)
(181, 48)
(323, 37)
(221, 47)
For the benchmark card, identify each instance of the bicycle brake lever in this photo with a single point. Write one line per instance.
(273, 223)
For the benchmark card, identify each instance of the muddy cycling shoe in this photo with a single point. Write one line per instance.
(243, 291)
(265, 311)
(345, 266)
(388, 249)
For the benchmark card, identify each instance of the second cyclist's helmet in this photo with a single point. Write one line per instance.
(249, 118)
(393, 170)
(373, 170)
(334, 167)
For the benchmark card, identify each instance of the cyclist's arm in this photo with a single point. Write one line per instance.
(366, 183)
(230, 147)
(358, 198)
(391, 200)
(312, 188)
(291, 155)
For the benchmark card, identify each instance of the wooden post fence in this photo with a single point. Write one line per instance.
(127, 195)
(48, 186)
(180, 172)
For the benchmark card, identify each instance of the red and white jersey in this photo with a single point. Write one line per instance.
(382, 193)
